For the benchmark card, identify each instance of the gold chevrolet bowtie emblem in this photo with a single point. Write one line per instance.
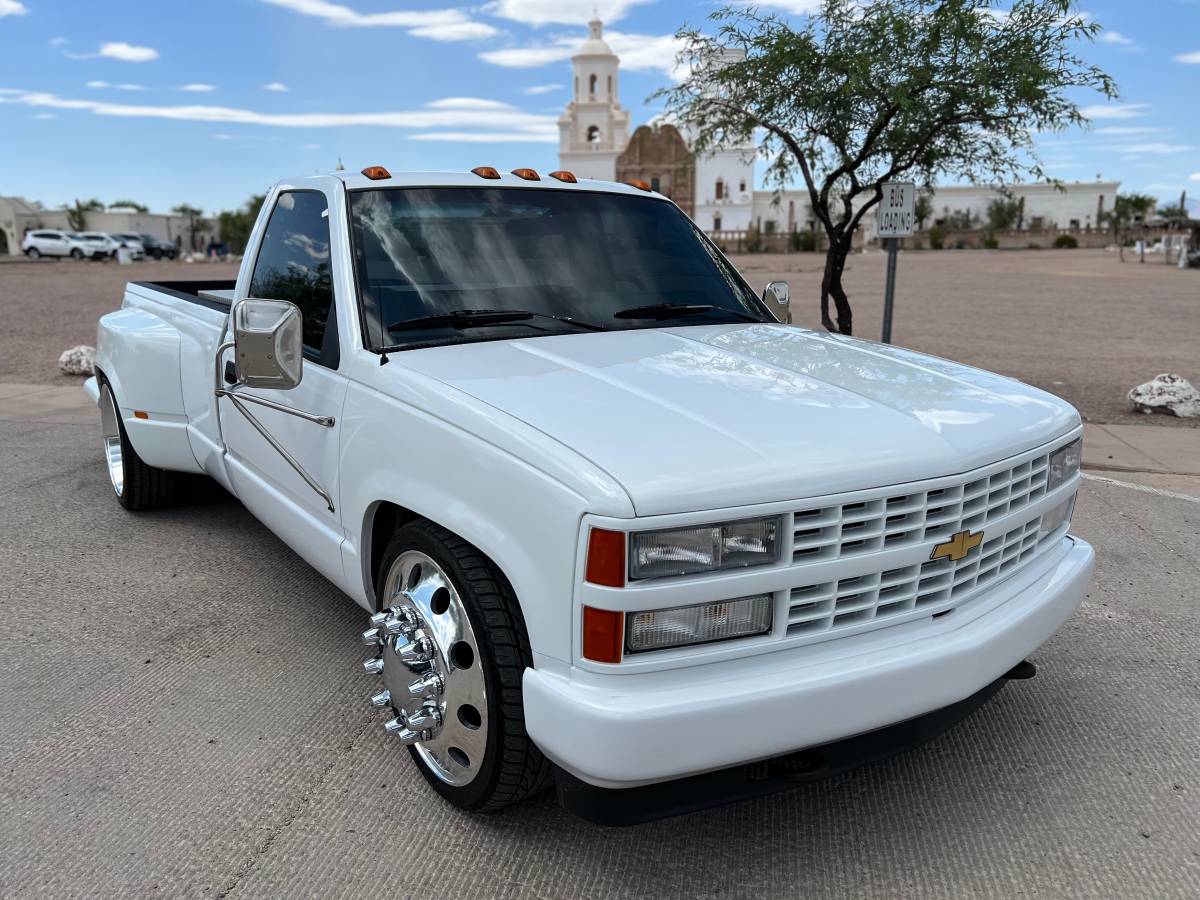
(958, 546)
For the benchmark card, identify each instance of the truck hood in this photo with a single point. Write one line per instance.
(707, 417)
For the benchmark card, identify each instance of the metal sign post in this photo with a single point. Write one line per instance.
(894, 219)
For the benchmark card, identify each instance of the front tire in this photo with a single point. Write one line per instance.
(448, 602)
(33, 253)
(136, 485)
(76, 253)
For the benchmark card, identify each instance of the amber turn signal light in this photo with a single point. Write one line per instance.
(563, 175)
(527, 174)
(376, 173)
(603, 634)
(639, 184)
(485, 172)
(606, 557)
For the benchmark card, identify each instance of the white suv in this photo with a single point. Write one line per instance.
(134, 242)
(48, 242)
(103, 244)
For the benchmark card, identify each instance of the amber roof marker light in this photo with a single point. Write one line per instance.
(639, 184)
(527, 174)
(376, 173)
(563, 175)
(485, 172)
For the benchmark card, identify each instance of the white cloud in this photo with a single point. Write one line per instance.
(197, 88)
(98, 84)
(58, 42)
(277, 86)
(1152, 148)
(130, 87)
(128, 52)
(796, 7)
(1195, 177)
(1114, 111)
(1128, 130)
(458, 116)
(489, 137)
(1192, 58)
(542, 89)
(1116, 38)
(45, 116)
(436, 24)
(638, 52)
(12, 8)
(561, 12)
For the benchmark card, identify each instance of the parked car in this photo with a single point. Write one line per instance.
(53, 242)
(616, 524)
(133, 242)
(158, 248)
(106, 244)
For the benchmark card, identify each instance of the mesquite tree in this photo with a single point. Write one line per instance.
(868, 92)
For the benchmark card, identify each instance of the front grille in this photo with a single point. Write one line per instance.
(869, 528)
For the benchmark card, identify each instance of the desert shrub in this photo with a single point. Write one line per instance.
(1066, 242)
(990, 243)
(937, 237)
(753, 241)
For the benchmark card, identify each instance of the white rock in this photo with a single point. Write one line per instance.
(78, 361)
(1172, 394)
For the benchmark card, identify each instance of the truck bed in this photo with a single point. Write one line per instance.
(204, 292)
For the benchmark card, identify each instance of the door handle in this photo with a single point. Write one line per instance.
(230, 372)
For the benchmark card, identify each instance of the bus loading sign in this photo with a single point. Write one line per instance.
(896, 217)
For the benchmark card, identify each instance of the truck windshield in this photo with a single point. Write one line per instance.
(451, 255)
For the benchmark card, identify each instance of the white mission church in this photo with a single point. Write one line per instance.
(719, 191)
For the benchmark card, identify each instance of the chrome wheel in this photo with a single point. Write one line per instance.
(432, 674)
(110, 433)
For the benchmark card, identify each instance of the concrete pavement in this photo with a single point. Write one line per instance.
(185, 716)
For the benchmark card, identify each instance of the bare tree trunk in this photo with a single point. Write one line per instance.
(831, 286)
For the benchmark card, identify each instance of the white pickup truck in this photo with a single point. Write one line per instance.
(616, 524)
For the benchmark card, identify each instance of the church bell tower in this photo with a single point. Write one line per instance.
(593, 129)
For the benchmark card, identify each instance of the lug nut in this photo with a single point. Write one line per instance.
(429, 684)
(370, 636)
(373, 666)
(383, 698)
(407, 737)
(415, 651)
(394, 626)
(425, 718)
(379, 618)
(394, 726)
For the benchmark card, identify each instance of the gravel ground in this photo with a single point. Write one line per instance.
(185, 716)
(1078, 323)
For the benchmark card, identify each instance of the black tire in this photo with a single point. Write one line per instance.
(141, 487)
(157, 254)
(33, 253)
(76, 253)
(513, 768)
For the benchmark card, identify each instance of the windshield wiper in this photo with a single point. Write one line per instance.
(470, 318)
(680, 310)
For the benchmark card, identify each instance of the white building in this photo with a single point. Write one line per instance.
(594, 132)
(594, 128)
(18, 216)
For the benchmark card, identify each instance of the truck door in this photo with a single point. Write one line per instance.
(293, 262)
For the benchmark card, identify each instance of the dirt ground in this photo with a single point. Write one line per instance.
(1078, 323)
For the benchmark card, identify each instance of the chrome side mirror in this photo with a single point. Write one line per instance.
(267, 340)
(778, 298)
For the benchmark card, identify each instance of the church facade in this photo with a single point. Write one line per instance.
(718, 189)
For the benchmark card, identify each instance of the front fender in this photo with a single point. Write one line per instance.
(524, 520)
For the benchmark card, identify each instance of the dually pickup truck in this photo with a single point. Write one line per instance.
(617, 524)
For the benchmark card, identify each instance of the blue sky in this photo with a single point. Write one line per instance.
(207, 101)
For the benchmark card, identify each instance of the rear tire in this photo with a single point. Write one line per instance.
(511, 768)
(137, 486)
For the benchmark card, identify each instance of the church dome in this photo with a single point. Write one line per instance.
(595, 44)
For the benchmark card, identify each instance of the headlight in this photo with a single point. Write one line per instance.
(704, 548)
(659, 629)
(1064, 463)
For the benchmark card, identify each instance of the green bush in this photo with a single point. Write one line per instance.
(937, 238)
(990, 243)
(1066, 242)
(802, 241)
(753, 242)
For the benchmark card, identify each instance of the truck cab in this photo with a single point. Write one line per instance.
(614, 521)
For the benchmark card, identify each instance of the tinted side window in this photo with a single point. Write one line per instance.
(293, 264)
